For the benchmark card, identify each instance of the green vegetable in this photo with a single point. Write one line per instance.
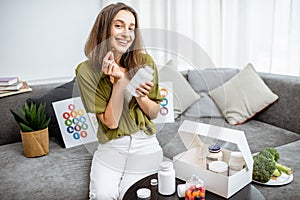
(273, 152)
(31, 117)
(276, 173)
(275, 155)
(266, 165)
(284, 169)
(263, 168)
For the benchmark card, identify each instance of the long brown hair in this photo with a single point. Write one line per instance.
(98, 43)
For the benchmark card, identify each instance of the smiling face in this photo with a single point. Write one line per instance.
(122, 32)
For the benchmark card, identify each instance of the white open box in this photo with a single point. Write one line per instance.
(193, 160)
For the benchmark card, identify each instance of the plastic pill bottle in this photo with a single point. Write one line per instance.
(166, 178)
(236, 162)
(143, 75)
(214, 154)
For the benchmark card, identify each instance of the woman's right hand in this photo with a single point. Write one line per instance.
(110, 67)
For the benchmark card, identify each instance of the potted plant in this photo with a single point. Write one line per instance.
(33, 123)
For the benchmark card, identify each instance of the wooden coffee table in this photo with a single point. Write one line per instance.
(249, 192)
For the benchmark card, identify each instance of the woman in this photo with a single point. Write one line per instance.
(128, 148)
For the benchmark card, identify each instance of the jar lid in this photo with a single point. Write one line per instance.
(236, 155)
(218, 166)
(143, 193)
(214, 148)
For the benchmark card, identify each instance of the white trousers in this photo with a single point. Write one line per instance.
(120, 163)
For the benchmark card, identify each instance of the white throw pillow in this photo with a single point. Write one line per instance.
(243, 96)
(183, 94)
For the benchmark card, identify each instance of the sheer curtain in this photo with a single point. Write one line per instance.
(231, 32)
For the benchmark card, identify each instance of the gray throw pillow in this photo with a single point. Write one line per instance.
(183, 94)
(203, 81)
(204, 107)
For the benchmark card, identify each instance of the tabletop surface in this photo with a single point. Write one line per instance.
(249, 192)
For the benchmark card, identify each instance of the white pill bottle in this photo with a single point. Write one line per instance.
(166, 178)
(143, 75)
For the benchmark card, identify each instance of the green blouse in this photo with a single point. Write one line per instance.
(96, 88)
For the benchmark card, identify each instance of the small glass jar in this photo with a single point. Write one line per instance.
(214, 154)
(236, 162)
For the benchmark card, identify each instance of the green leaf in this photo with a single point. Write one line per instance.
(21, 109)
(19, 118)
(26, 107)
(45, 125)
(25, 128)
(27, 113)
(33, 122)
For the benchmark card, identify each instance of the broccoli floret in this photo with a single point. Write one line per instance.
(265, 165)
(270, 152)
(274, 153)
(266, 154)
(263, 168)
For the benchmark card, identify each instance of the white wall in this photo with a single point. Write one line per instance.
(42, 41)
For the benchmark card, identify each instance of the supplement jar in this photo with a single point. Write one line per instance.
(236, 162)
(219, 167)
(214, 154)
(166, 178)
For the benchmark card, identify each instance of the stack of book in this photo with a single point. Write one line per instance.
(12, 85)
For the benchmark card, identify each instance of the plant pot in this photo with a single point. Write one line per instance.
(35, 143)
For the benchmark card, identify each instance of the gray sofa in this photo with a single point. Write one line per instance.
(64, 173)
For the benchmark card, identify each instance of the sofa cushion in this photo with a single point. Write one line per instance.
(64, 91)
(62, 174)
(183, 94)
(243, 96)
(203, 81)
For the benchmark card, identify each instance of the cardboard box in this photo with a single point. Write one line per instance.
(197, 137)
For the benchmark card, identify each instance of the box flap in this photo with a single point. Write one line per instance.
(189, 131)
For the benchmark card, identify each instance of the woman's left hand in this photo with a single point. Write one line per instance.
(144, 88)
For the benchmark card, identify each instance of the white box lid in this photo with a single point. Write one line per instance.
(189, 131)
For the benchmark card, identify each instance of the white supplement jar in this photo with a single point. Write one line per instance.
(219, 167)
(141, 76)
(236, 162)
(166, 178)
(214, 154)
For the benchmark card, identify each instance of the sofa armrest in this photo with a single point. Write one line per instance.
(285, 112)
